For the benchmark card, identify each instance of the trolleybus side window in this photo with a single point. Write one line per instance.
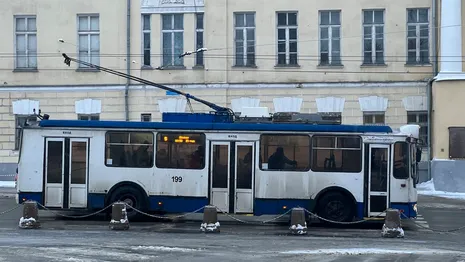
(180, 150)
(285, 152)
(336, 153)
(129, 149)
(401, 163)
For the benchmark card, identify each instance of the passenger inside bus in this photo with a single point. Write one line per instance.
(278, 160)
(197, 159)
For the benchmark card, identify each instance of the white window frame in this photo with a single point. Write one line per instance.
(144, 115)
(421, 124)
(87, 117)
(174, 57)
(88, 33)
(27, 34)
(373, 27)
(373, 115)
(199, 56)
(146, 32)
(418, 36)
(245, 40)
(287, 28)
(330, 38)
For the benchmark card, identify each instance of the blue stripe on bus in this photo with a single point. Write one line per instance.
(215, 126)
(96, 201)
(278, 206)
(409, 212)
(34, 196)
(177, 204)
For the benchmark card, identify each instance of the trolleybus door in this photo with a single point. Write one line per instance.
(378, 179)
(220, 174)
(78, 169)
(66, 168)
(244, 175)
(232, 176)
(54, 171)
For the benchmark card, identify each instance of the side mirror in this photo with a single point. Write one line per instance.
(418, 154)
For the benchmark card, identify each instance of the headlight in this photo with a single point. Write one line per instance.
(415, 208)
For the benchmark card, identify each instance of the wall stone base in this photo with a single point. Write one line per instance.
(448, 175)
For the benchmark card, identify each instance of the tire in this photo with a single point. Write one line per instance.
(133, 197)
(335, 206)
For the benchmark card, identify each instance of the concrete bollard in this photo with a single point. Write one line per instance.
(210, 220)
(298, 223)
(119, 217)
(30, 218)
(392, 225)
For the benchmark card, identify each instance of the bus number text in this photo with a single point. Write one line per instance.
(177, 179)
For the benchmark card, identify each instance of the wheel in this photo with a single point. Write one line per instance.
(133, 197)
(335, 206)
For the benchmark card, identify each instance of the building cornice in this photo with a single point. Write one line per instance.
(172, 6)
(96, 88)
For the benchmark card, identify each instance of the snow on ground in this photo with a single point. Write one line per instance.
(168, 249)
(7, 183)
(366, 251)
(427, 188)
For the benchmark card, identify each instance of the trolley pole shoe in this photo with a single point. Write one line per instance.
(210, 222)
(30, 218)
(392, 225)
(119, 217)
(298, 223)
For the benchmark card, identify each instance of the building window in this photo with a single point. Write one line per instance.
(421, 119)
(89, 39)
(373, 37)
(244, 25)
(287, 38)
(331, 116)
(285, 152)
(20, 122)
(146, 117)
(89, 117)
(173, 39)
(180, 150)
(26, 42)
(129, 149)
(330, 37)
(336, 154)
(146, 38)
(373, 118)
(199, 39)
(418, 36)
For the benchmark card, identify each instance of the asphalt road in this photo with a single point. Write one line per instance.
(91, 240)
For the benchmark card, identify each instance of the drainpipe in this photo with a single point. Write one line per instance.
(128, 59)
(434, 36)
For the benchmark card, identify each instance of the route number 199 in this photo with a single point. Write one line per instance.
(177, 179)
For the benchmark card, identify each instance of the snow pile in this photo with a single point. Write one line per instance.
(427, 188)
(167, 249)
(397, 232)
(367, 251)
(28, 222)
(204, 227)
(7, 184)
(299, 229)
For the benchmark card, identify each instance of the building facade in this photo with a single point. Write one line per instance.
(365, 62)
(448, 92)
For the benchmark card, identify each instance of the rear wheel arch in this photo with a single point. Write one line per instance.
(130, 193)
(337, 195)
